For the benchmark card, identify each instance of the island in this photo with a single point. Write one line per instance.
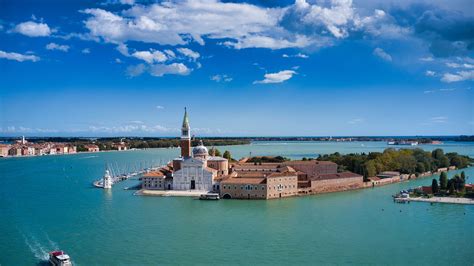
(199, 171)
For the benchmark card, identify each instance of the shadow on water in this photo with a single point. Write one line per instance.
(43, 263)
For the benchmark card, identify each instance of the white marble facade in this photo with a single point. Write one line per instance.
(194, 175)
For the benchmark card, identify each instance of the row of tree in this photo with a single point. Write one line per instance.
(449, 186)
(267, 159)
(406, 161)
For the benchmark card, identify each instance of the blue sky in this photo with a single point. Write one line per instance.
(318, 68)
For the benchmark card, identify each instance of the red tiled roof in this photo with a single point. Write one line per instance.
(154, 174)
(336, 176)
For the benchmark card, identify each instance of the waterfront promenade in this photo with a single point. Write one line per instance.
(443, 200)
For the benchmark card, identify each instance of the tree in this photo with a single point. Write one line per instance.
(463, 176)
(227, 155)
(420, 168)
(434, 186)
(443, 180)
(451, 186)
(214, 152)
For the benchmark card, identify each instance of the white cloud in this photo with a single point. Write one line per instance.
(257, 41)
(298, 55)
(59, 47)
(33, 29)
(221, 78)
(189, 53)
(86, 51)
(334, 18)
(137, 70)
(160, 70)
(159, 107)
(456, 65)
(176, 23)
(276, 77)
(18, 57)
(430, 73)
(382, 54)
(458, 76)
(170, 53)
(150, 56)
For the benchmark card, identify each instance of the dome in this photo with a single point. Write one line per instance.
(200, 150)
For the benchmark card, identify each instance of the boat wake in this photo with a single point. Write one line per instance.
(39, 250)
(88, 157)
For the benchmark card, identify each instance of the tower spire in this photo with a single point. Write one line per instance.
(185, 136)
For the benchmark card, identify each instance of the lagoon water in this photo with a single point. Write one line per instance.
(48, 202)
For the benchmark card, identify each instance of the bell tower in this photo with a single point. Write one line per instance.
(185, 137)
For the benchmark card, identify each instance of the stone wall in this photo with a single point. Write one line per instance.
(334, 185)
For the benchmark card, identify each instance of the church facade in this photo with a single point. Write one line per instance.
(195, 169)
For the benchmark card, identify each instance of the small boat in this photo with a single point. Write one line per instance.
(59, 258)
(209, 196)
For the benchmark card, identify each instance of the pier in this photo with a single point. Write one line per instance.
(112, 176)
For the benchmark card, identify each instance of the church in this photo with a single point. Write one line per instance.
(195, 169)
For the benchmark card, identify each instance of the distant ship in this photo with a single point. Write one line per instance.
(59, 258)
(405, 143)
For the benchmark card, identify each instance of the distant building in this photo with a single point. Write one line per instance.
(4, 148)
(92, 147)
(122, 146)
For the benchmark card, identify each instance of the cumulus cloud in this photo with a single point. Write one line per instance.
(189, 53)
(86, 51)
(458, 76)
(158, 70)
(18, 57)
(159, 107)
(175, 23)
(278, 77)
(221, 78)
(150, 56)
(382, 54)
(136, 70)
(33, 29)
(59, 47)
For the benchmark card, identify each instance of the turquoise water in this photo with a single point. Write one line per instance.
(48, 202)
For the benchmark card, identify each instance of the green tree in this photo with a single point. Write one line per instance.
(463, 176)
(227, 155)
(451, 186)
(434, 186)
(443, 180)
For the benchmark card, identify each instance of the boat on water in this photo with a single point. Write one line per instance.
(209, 196)
(59, 258)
